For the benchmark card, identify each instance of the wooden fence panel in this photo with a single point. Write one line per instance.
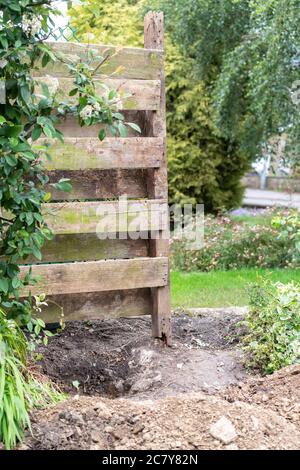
(129, 62)
(94, 276)
(102, 261)
(84, 153)
(104, 217)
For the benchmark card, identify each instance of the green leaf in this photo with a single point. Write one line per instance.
(134, 126)
(122, 130)
(4, 42)
(36, 252)
(73, 92)
(64, 185)
(112, 94)
(45, 60)
(14, 6)
(4, 285)
(102, 134)
(25, 93)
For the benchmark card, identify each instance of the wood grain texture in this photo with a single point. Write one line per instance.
(88, 247)
(100, 184)
(97, 305)
(135, 63)
(104, 217)
(158, 183)
(94, 276)
(83, 153)
(144, 94)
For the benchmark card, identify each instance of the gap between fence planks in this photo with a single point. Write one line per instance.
(98, 305)
(93, 276)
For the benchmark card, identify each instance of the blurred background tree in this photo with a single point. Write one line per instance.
(247, 52)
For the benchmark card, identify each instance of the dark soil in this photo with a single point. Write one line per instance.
(119, 357)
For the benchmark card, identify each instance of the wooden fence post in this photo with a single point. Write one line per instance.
(158, 182)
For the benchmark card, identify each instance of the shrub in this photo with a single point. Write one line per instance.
(288, 227)
(273, 323)
(234, 245)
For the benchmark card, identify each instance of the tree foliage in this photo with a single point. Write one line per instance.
(118, 22)
(247, 52)
(203, 166)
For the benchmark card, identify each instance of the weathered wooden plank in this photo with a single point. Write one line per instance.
(125, 62)
(94, 276)
(158, 183)
(97, 305)
(144, 94)
(88, 247)
(104, 217)
(100, 184)
(84, 153)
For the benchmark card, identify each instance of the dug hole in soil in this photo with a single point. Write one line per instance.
(134, 393)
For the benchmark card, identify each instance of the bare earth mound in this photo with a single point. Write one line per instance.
(279, 392)
(136, 394)
(182, 422)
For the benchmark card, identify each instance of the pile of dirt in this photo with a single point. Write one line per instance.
(184, 422)
(279, 392)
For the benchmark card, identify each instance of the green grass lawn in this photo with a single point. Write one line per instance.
(221, 288)
(264, 219)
